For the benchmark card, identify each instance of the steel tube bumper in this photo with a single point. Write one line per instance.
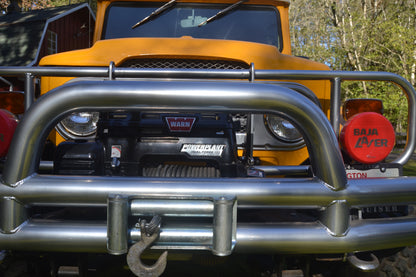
(301, 192)
(300, 238)
(334, 233)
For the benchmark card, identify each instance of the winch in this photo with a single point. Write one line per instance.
(155, 145)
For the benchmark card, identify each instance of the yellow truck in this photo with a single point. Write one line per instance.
(189, 137)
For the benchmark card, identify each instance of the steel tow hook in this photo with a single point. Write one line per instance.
(149, 233)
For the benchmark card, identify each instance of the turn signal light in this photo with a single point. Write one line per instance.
(8, 123)
(368, 137)
(12, 101)
(356, 106)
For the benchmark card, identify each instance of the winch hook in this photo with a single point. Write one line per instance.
(149, 233)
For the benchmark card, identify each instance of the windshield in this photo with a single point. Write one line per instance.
(247, 23)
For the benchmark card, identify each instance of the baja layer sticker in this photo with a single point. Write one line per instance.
(368, 137)
(206, 150)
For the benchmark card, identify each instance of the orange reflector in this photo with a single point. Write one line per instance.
(368, 137)
(356, 106)
(8, 123)
(12, 101)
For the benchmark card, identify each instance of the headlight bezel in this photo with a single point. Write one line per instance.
(290, 133)
(86, 131)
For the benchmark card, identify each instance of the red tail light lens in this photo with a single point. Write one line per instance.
(356, 106)
(8, 123)
(368, 137)
(12, 101)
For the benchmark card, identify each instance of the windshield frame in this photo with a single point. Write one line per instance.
(217, 5)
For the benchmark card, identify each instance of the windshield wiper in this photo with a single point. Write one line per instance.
(155, 13)
(222, 12)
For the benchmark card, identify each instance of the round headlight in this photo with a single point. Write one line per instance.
(79, 125)
(283, 129)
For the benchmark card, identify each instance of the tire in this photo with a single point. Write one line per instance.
(402, 264)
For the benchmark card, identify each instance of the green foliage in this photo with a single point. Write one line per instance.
(28, 5)
(360, 35)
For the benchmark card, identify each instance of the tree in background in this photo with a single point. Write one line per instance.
(360, 35)
(28, 5)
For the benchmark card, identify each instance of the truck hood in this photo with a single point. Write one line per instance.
(119, 50)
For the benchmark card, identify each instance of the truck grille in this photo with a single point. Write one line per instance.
(192, 64)
(185, 63)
